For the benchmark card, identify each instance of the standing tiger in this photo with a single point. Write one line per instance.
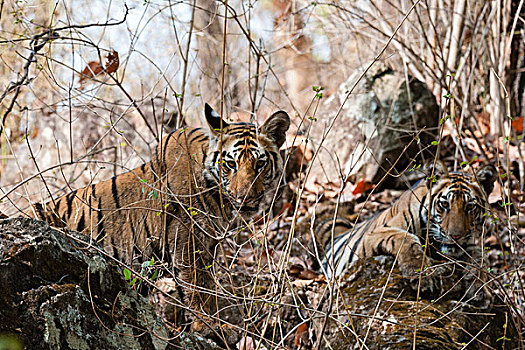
(454, 222)
(178, 205)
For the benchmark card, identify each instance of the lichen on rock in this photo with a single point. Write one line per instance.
(58, 292)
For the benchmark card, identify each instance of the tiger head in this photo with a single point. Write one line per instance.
(458, 205)
(244, 160)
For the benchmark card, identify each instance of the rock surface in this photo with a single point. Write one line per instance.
(380, 119)
(383, 314)
(59, 293)
(56, 293)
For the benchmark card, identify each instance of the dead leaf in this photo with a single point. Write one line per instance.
(302, 337)
(491, 241)
(518, 220)
(287, 208)
(361, 187)
(295, 269)
(309, 275)
(34, 132)
(94, 69)
(91, 71)
(495, 195)
(112, 62)
(248, 343)
(517, 125)
(484, 122)
(300, 272)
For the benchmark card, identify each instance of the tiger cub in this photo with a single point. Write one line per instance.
(455, 221)
(177, 206)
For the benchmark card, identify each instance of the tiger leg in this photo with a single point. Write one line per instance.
(477, 280)
(193, 259)
(409, 254)
(196, 266)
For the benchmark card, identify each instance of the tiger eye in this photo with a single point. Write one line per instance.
(261, 163)
(443, 204)
(231, 164)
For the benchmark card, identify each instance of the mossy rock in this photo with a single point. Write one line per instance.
(376, 306)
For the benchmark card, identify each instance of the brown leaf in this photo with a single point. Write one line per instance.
(248, 343)
(298, 271)
(295, 270)
(287, 208)
(34, 132)
(94, 69)
(517, 125)
(484, 122)
(112, 62)
(309, 275)
(362, 186)
(302, 338)
(91, 71)
(491, 241)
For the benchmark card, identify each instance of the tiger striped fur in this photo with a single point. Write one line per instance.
(177, 206)
(455, 222)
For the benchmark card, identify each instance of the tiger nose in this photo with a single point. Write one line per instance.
(457, 234)
(238, 197)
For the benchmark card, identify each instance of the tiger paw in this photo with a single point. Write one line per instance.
(431, 277)
(223, 334)
(480, 297)
(477, 293)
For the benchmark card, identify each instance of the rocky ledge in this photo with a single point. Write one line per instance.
(58, 291)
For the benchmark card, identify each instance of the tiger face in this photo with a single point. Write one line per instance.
(458, 204)
(454, 222)
(244, 160)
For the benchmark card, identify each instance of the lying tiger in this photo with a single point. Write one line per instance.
(179, 204)
(455, 222)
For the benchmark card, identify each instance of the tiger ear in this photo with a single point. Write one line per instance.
(214, 120)
(276, 127)
(486, 176)
(435, 171)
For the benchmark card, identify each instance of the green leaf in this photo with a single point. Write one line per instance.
(127, 274)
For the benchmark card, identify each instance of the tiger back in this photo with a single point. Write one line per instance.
(454, 223)
(176, 206)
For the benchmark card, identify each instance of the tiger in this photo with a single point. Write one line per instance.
(177, 206)
(450, 206)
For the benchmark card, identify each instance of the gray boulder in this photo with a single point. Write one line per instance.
(383, 123)
(59, 293)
